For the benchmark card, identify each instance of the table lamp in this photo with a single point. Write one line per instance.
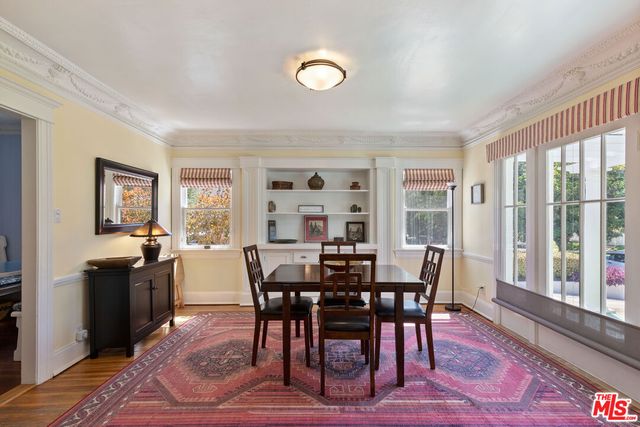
(151, 247)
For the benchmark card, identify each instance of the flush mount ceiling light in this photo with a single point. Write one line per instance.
(320, 74)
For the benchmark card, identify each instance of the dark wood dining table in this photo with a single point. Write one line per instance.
(288, 278)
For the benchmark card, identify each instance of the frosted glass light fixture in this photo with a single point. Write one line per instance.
(320, 74)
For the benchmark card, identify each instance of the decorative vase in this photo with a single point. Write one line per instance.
(315, 182)
(355, 185)
(272, 206)
(354, 208)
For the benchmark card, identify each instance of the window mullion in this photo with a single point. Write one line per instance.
(563, 226)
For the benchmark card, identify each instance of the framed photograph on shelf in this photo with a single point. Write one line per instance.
(273, 234)
(355, 231)
(310, 208)
(477, 194)
(316, 228)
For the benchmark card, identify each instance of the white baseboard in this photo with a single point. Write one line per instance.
(216, 297)
(69, 355)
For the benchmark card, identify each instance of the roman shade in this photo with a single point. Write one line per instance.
(205, 177)
(427, 179)
(132, 181)
(611, 105)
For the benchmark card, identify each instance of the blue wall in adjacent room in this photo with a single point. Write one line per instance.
(10, 194)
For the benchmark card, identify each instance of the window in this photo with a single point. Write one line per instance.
(133, 204)
(514, 220)
(206, 199)
(426, 217)
(585, 216)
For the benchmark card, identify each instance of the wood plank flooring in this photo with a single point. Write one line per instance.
(42, 404)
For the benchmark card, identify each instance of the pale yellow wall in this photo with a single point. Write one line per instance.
(79, 136)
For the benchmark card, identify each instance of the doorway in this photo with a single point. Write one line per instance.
(10, 250)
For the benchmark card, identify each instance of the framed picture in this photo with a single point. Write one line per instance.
(316, 228)
(477, 194)
(310, 208)
(273, 235)
(355, 231)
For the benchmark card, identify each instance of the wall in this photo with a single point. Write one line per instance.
(79, 136)
(478, 269)
(10, 193)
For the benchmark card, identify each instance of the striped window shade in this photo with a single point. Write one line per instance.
(611, 105)
(205, 177)
(132, 181)
(427, 179)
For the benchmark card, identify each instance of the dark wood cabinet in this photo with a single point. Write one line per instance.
(126, 305)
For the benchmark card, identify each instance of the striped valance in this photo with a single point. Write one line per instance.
(427, 179)
(608, 106)
(205, 177)
(132, 181)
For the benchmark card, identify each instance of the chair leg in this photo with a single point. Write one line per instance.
(418, 336)
(311, 329)
(321, 351)
(372, 372)
(432, 355)
(366, 353)
(256, 338)
(297, 329)
(307, 351)
(264, 334)
(378, 339)
(362, 351)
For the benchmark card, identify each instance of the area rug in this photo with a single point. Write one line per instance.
(201, 375)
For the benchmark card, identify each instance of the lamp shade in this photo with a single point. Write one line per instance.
(150, 229)
(320, 74)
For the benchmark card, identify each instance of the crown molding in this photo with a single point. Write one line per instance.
(317, 140)
(604, 61)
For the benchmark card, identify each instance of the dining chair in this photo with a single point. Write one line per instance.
(413, 310)
(330, 298)
(271, 308)
(346, 321)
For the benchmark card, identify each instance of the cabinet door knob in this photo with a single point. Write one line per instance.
(303, 257)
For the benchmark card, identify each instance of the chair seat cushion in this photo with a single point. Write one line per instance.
(331, 300)
(345, 324)
(298, 305)
(385, 307)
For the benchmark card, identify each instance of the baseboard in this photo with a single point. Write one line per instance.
(467, 299)
(69, 355)
(214, 298)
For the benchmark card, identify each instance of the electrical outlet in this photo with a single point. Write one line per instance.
(81, 335)
(481, 288)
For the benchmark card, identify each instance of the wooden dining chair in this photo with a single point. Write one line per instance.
(330, 298)
(413, 310)
(346, 321)
(271, 308)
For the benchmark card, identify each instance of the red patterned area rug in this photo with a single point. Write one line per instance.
(201, 375)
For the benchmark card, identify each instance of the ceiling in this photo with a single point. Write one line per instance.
(423, 66)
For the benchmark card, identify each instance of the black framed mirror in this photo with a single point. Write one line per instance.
(126, 197)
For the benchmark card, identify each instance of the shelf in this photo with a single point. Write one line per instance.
(316, 191)
(317, 213)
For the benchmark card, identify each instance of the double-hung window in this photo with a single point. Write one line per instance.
(585, 220)
(426, 207)
(205, 201)
(514, 219)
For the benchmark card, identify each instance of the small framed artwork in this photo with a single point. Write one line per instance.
(310, 208)
(477, 194)
(316, 228)
(355, 231)
(271, 225)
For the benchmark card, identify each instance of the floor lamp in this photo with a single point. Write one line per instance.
(453, 306)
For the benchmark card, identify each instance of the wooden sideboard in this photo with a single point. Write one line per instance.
(126, 305)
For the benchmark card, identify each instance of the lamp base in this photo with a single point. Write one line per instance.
(452, 307)
(150, 252)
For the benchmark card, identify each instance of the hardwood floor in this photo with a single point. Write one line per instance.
(40, 405)
(9, 370)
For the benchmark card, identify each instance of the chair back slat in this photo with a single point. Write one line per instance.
(430, 274)
(255, 273)
(338, 246)
(346, 284)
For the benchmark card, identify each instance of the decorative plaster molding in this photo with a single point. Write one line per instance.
(604, 61)
(317, 140)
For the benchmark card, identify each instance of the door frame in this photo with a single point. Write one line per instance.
(37, 262)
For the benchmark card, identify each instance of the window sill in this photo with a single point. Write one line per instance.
(418, 252)
(213, 253)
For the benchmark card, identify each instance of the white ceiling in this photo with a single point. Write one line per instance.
(228, 66)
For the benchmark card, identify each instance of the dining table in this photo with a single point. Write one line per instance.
(297, 278)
